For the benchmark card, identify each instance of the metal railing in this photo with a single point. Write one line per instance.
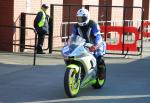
(127, 38)
(24, 28)
(64, 25)
(65, 33)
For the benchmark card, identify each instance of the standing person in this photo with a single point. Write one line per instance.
(90, 31)
(41, 25)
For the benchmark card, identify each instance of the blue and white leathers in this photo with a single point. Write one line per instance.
(91, 33)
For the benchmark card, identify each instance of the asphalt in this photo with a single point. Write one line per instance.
(54, 58)
(128, 80)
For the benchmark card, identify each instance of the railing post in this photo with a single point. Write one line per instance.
(22, 31)
(87, 7)
(50, 39)
(123, 38)
(141, 30)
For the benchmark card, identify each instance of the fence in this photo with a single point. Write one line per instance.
(122, 37)
(6, 27)
(26, 38)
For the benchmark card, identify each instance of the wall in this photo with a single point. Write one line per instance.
(6, 18)
(149, 11)
(117, 13)
(11, 10)
(137, 12)
(73, 10)
(19, 6)
(33, 6)
(102, 10)
(57, 17)
(92, 10)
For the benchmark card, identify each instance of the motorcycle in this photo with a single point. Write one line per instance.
(81, 67)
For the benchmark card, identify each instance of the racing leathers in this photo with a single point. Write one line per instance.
(91, 33)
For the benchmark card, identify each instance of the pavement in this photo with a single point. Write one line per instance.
(52, 59)
(27, 58)
(128, 80)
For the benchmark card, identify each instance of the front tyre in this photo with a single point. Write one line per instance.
(71, 82)
(101, 76)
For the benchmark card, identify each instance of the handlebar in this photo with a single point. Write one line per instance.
(88, 45)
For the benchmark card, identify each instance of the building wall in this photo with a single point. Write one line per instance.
(145, 5)
(149, 10)
(73, 10)
(102, 10)
(58, 10)
(6, 18)
(128, 11)
(92, 10)
(10, 15)
(19, 6)
(117, 13)
(33, 6)
(137, 12)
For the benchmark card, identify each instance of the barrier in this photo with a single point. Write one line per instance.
(121, 45)
(146, 34)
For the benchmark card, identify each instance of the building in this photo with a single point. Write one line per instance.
(11, 10)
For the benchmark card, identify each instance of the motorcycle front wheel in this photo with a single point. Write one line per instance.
(71, 83)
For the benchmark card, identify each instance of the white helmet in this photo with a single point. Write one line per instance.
(83, 16)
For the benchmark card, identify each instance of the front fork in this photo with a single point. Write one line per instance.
(77, 70)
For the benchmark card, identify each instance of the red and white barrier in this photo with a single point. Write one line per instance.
(146, 34)
(119, 30)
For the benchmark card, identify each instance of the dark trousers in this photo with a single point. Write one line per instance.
(40, 42)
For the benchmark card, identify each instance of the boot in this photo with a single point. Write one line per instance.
(101, 69)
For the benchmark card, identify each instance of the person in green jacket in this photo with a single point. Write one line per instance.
(41, 25)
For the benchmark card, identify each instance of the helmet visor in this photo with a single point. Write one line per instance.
(82, 19)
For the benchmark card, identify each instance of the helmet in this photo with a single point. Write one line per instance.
(45, 6)
(83, 16)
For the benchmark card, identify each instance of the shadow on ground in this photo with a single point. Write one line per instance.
(25, 83)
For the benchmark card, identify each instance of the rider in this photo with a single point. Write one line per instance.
(90, 31)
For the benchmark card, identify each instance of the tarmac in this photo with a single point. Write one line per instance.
(55, 58)
(21, 82)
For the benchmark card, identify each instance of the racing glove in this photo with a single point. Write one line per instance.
(93, 48)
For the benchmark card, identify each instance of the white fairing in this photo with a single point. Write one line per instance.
(77, 49)
(88, 62)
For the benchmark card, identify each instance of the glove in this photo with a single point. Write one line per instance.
(93, 48)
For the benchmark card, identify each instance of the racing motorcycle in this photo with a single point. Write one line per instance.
(81, 67)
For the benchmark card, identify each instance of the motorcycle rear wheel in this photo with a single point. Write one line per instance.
(71, 83)
(100, 81)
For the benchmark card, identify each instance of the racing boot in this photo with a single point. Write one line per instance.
(101, 68)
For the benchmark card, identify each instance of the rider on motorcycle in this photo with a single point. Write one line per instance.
(90, 31)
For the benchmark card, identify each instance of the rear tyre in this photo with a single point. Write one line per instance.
(101, 76)
(71, 83)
